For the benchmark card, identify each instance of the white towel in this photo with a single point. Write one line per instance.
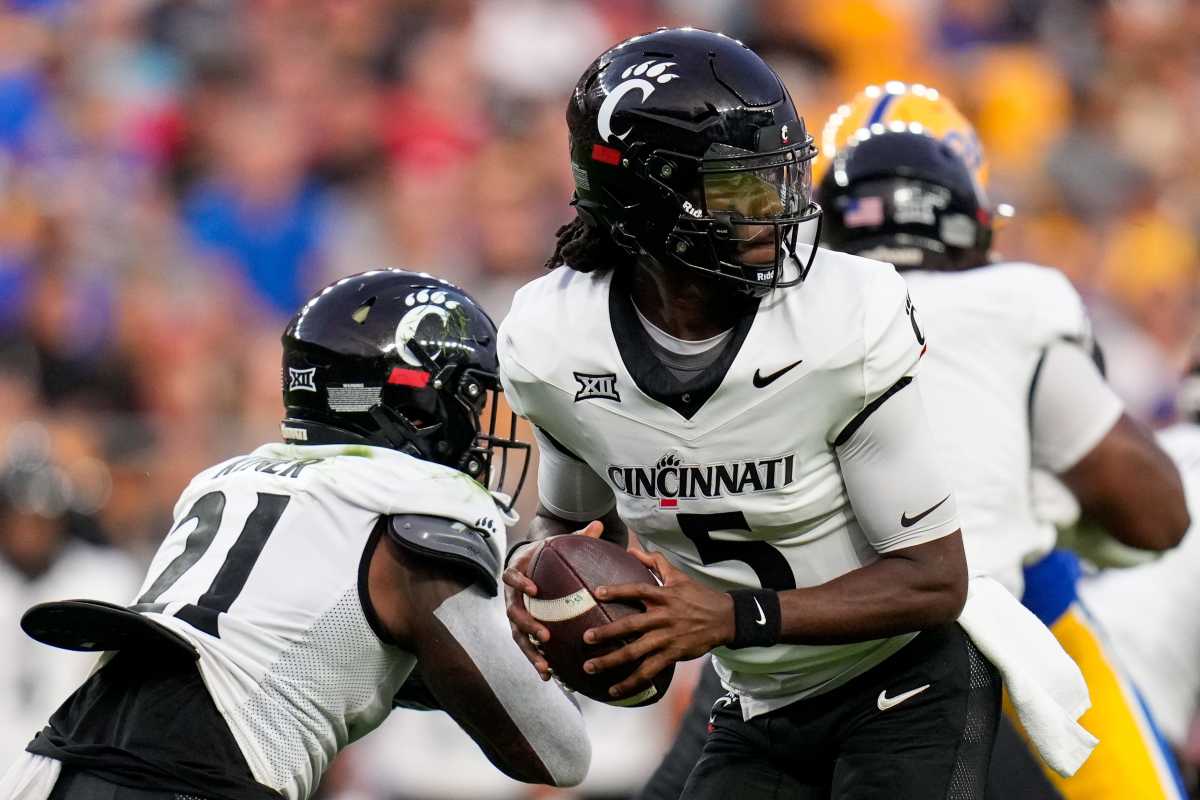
(30, 778)
(1044, 684)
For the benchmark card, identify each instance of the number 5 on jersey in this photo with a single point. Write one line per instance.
(768, 563)
(231, 578)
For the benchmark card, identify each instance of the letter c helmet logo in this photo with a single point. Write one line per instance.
(631, 79)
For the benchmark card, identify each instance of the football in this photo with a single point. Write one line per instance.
(567, 570)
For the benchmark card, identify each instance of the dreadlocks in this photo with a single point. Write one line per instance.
(586, 248)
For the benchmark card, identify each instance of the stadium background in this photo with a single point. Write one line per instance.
(176, 176)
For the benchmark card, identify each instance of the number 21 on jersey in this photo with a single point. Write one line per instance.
(230, 578)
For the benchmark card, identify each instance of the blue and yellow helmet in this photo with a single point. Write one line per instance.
(895, 107)
(903, 178)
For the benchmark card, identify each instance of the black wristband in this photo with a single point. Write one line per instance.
(756, 618)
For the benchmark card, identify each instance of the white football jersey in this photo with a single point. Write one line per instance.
(264, 572)
(1149, 612)
(988, 329)
(739, 485)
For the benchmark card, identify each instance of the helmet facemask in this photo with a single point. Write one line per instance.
(738, 214)
(463, 396)
(486, 444)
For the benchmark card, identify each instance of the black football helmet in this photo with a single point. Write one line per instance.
(403, 360)
(686, 146)
(907, 198)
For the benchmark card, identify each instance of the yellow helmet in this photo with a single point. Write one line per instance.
(897, 106)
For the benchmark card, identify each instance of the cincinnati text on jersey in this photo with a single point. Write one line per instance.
(670, 480)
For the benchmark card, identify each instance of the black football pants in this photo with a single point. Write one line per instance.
(1014, 772)
(841, 745)
(76, 785)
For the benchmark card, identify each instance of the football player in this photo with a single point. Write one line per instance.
(1016, 375)
(765, 439)
(302, 584)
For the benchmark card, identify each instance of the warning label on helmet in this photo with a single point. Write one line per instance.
(353, 397)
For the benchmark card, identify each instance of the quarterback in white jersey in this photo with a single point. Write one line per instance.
(766, 440)
(775, 469)
(303, 584)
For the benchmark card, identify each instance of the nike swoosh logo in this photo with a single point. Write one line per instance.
(884, 702)
(762, 617)
(907, 521)
(760, 381)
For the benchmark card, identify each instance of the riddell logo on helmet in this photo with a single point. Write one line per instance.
(691, 209)
(632, 79)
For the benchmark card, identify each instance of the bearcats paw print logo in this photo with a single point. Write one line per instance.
(670, 459)
(426, 321)
(437, 297)
(643, 77)
(651, 70)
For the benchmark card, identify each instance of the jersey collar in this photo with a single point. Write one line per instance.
(648, 373)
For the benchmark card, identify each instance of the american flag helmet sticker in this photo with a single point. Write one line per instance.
(864, 212)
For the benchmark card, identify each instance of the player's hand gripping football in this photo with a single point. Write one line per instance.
(517, 584)
(683, 620)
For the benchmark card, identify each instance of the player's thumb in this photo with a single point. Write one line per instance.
(594, 529)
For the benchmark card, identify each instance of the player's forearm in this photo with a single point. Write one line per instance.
(1131, 488)
(913, 589)
(1113, 465)
(614, 529)
(549, 747)
(530, 730)
(546, 524)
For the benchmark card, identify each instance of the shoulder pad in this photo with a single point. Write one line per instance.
(542, 309)
(445, 539)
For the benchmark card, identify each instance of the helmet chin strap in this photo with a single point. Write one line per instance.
(401, 434)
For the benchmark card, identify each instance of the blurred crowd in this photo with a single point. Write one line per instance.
(177, 175)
